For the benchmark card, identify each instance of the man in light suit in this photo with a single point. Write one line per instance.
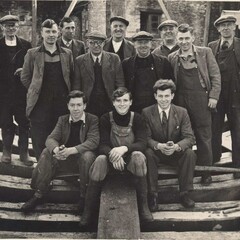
(198, 83)
(227, 53)
(98, 74)
(67, 29)
(170, 138)
(47, 73)
(117, 42)
(71, 145)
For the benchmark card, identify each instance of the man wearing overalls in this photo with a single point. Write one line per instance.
(122, 143)
(198, 84)
(227, 53)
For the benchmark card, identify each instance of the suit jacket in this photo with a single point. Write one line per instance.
(179, 127)
(112, 73)
(89, 134)
(162, 69)
(33, 69)
(208, 70)
(78, 47)
(5, 63)
(128, 47)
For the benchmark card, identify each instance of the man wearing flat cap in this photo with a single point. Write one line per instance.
(168, 30)
(98, 73)
(143, 70)
(198, 84)
(227, 53)
(117, 42)
(12, 92)
(47, 74)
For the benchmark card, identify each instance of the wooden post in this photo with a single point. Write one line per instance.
(207, 22)
(164, 9)
(71, 7)
(34, 23)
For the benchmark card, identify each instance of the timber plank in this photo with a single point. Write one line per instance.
(118, 216)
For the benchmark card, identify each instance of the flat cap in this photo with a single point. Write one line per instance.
(96, 35)
(142, 35)
(167, 23)
(9, 18)
(119, 18)
(225, 18)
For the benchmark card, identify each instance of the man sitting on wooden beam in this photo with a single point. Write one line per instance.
(71, 145)
(122, 143)
(170, 138)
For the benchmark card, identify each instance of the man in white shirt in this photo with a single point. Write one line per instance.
(170, 138)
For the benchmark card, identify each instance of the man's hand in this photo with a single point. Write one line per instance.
(119, 165)
(63, 154)
(167, 148)
(18, 72)
(116, 153)
(212, 103)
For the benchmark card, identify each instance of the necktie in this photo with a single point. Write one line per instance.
(225, 45)
(164, 123)
(97, 62)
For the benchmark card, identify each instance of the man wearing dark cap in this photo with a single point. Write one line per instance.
(98, 73)
(46, 74)
(227, 53)
(168, 30)
(117, 42)
(67, 29)
(12, 92)
(143, 70)
(198, 83)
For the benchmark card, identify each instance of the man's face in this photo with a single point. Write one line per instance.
(227, 29)
(143, 47)
(122, 104)
(185, 40)
(76, 108)
(169, 33)
(164, 98)
(10, 29)
(50, 35)
(118, 29)
(68, 31)
(95, 46)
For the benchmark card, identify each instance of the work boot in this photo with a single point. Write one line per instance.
(91, 202)
(153, 202)
(186, 201)
(31, 204)
(7, 139)
(23, 147)
(141, 189)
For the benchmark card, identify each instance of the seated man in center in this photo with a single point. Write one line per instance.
(170, 138)
(122, 143)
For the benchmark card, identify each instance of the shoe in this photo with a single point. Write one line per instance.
(31, 204)
(186, 201)
(153, 202)
(6, 157)
(236, 175)
(206, 179)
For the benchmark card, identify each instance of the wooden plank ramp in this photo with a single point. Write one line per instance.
(118, 215)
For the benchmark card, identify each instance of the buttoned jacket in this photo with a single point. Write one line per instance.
(33, 70)
(208, 70)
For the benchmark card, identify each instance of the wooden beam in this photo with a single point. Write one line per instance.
(207, 22)
(164, 9)
(71, 7)
(34, 23)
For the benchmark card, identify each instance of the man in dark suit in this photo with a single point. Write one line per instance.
(71, 145)
(12, 92)
(67, 29)
(98, 74)
(198, 82)
(170, 138)
(168, 30)
(47, 73)
(117, 42)
(227, 53)
(143, 70)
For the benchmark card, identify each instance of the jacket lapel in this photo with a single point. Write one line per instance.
(157, 120)
(88, 64)
(106, 66)
(215, 47)
(172, 122)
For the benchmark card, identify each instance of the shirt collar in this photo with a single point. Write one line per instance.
(194, 50)
(11, 43)
(83, 118)
(95, 57)
(230, 41)
(67, 43)
(160, 110)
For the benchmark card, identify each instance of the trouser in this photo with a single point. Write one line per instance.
(233, 115)
(196, 104)
(184, 161)
(48, 167)
(136, 164)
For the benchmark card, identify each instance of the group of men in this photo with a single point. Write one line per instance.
(60, 92)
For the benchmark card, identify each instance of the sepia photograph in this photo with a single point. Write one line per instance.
(120, 119)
